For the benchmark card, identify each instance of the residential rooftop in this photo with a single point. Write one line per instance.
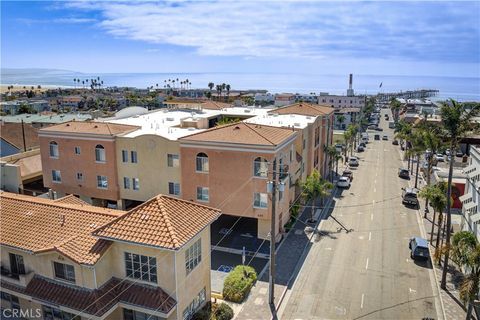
(306, 109)
(90, 127)
(46, 118)
(282, 120)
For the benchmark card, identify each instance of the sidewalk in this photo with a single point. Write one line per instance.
(290, 254)
(453, 306)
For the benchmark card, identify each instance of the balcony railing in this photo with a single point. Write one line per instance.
(15, 278)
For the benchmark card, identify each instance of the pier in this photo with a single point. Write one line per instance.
(410, 94)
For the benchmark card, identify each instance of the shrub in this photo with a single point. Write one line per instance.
(224, 312)
(238, 283)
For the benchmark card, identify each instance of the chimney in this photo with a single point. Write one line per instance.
(350, 82)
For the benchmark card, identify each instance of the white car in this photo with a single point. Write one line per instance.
(353, 162)
(343, 182)
(439, 157)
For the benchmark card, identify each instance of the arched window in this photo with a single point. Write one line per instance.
(100, 153)
(53, 149)
(202, 162)
(260, 167)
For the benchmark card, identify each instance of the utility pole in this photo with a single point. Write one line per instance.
(273, 183)
(23, 135)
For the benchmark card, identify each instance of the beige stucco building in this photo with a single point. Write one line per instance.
(72, 260)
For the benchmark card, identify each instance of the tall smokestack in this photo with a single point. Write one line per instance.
(350, 82)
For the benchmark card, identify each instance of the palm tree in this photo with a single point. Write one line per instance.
(219, 90)
(227, 87)
(347, 135)
(340, 120)
(466, 253)
(313, 188)
(457, 123)
(211, 85)
(395, 106)
(433, 144)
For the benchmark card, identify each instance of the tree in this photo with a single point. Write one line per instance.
(395, 106)
(25, 108)
(313, 188)
(333, 156)
(227, 87)
(438, 201)
(219, 89)
(211, 85)
(347, 135)
(457, 122)
(340, 120)
(466, 254)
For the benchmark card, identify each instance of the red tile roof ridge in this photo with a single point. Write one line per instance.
(261, 135)
(80, 207)
(170, 227)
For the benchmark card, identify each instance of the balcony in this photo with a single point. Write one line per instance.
(17, 279)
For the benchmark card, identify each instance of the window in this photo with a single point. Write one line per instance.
(196, 304)
(133, 156)
(136, 183)
(53, 149)
(50, 313)
(317, 136)
(64, 271)
(137, 315)
(260, 200)
(17, 266)
(141, 267)
(193, 256)
(172, 160)
(13, 300)
(100, 153)
(126, 183)
(174, 188)
(56, 176)
(77, 150)
(102, 182)
(304, 144)
(124, 156)
(202, 194)
(202, 162)
(260, 167)
(79, 176)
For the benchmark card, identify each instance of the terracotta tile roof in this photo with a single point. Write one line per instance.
(215, 105)
(91, 127)
(243, 133)
(162, 221)
(12, 133)
(305, 109)
(96, 302)
(39, 225)
(71, 199)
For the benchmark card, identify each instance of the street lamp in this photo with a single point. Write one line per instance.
(273, 187)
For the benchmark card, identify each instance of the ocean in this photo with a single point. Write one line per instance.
(459, 88)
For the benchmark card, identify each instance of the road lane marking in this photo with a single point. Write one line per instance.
(361, 304)
(369, 236)
(375, 181)
(371, 216)
(412, 291)
(374, 190)
(366, 265)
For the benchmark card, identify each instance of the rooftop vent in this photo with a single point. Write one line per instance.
(297, 124)
(95, 126)
(170, 119)
(236, 128)
(247, 111)
(68, 124)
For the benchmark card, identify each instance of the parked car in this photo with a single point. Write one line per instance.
(395, 142)
(353, 162)
(348, 173)
(360, 148)
(377, 137)
(410, 196)
(418, 248)
(459, 154)
(372, 127)
(385, 138)
(378, 129)
(363, 144)
(439, 157)
(343, 182)
(403, 173)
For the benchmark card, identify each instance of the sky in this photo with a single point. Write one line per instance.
(430, 38)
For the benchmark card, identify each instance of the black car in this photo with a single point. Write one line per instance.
(395, 142)
(379, 129)
(403, 173)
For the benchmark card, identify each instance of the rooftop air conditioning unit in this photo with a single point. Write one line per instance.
(170, 119)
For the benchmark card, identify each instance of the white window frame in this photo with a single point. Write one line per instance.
(257, 200)
(134, 156)
(53, 150)
(173, 160)
(262, 165)
(135, 184)
(126, 183)
(202, 197)
(65, 271)
(134, 270)
(193, 256)
(58, 174)
(100, 154)
(195, 305)
(175, 186)
(124, 156)
(202, 164)
(99, 179)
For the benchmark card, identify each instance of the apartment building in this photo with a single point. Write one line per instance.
(80, 158)
(228, 167)
(471, 198)
(318, 136)
(65, 259)
(346, 116)
(339, 101)
(284, 99)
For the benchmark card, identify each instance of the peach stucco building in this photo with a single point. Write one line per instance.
(65, 259)
(80, 158)
(228, 167)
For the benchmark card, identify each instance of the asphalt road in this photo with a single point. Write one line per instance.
(366, 273)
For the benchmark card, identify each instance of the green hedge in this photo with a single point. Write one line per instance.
(214, 311)
(238, 283)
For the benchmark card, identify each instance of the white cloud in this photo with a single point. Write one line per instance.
(59, 20)
(410, 30)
